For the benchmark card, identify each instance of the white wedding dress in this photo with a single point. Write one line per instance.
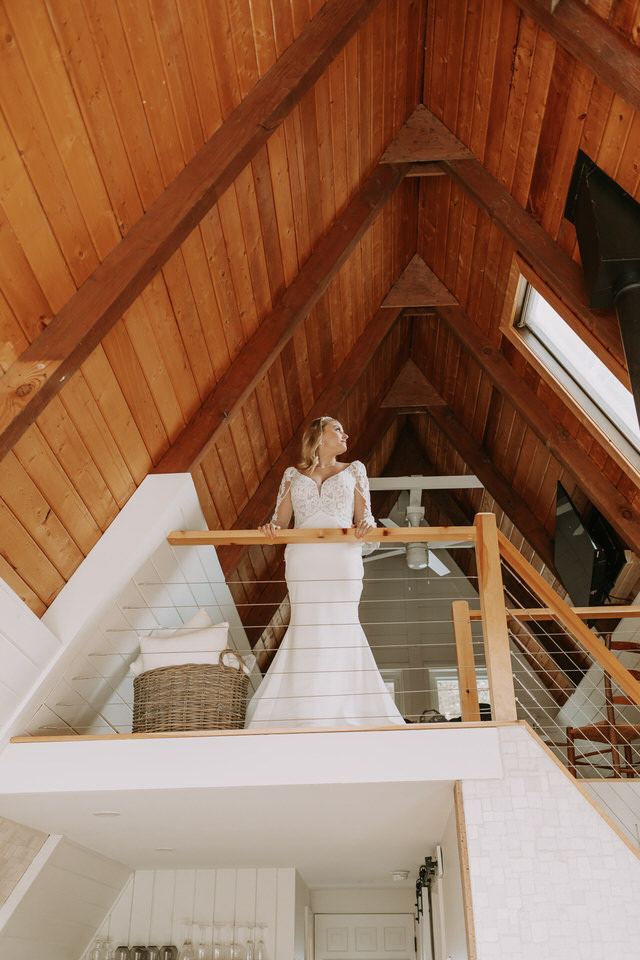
(324, 673)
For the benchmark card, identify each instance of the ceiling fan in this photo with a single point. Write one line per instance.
(418, 555)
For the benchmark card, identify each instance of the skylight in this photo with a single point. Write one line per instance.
(582, 373)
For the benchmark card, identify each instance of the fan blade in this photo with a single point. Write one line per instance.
(436, 565)
(383, 554)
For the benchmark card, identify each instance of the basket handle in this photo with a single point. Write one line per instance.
(239, 666)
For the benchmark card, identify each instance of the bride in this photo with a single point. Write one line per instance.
(324, 672)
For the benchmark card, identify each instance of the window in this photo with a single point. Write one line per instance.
(447, 690)
(584, 376)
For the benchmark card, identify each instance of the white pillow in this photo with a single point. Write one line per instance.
(198, 640)
(150, 659)
(194, 646)
(196, 622)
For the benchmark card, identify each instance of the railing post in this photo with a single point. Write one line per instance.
(494, 619)
(467, 682)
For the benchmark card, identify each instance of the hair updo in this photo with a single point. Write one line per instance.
(311, 440)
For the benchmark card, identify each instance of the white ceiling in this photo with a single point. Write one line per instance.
(334, 834)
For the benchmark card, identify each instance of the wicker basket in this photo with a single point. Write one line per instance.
(192, 696)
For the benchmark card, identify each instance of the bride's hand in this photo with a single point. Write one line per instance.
(362, 527)
(269, 530)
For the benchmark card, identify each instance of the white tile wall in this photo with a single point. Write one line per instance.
(549, 877)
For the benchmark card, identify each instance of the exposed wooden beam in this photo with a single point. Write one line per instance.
(260, 352)
(593, 42)
(480, 462)
(412, 389)
(602, 492)
(543, 254)
(78, 328)
(418, 286)
(423, 139)
(331, 399)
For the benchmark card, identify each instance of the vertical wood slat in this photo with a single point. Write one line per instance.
(468, 684)
(465, 872)
(494, 620)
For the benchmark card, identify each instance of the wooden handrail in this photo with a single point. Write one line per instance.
(569, 619)
(611, 612)
(223, 538)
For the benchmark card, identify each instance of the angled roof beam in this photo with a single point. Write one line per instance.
(546, 257)
(592, 41)
(424, 142)
(78, 328)
(261, 351)
(620, 513)
(425, 397)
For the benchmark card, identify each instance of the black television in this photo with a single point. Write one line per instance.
(588, 555)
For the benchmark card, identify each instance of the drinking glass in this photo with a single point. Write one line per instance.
(187, 952)
(250, 944)
(97, 950)
(219, 947)
(138, 952)
(153, 953)
(236, 952)
(168, 952)
(261, 950)
(122, 953)
(203, 952)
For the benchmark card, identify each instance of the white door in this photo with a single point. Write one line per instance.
(364, 936)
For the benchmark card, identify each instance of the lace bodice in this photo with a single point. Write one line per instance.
(335, 498)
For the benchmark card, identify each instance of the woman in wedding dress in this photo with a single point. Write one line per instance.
(324, 673)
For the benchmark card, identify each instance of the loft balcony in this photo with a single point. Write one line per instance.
(345, 807)
(454, 646)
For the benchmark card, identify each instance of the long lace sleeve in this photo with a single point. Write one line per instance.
(362, 487)
(282, 513)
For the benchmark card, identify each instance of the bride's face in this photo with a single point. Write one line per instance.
(334, 437)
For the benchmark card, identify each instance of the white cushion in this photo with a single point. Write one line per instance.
(197, 641)
(196, 622)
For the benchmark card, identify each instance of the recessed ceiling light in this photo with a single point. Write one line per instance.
(166, 849)
(398, 875)
(106, 813)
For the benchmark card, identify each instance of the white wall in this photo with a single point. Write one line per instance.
(549, 876)
(59, 902)
(155, 903)
(400, 899)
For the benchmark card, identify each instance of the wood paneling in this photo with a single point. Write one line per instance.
(90, 141)
(105, 104)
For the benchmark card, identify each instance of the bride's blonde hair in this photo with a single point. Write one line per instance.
(311, 440)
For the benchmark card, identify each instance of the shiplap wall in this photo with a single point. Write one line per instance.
(154, 905)
(59, 903)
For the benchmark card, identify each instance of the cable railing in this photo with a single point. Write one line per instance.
(477, 650)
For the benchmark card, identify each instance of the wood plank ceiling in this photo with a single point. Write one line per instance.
(197, 237)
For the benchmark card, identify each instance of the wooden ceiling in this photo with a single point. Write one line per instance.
(207, 211)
